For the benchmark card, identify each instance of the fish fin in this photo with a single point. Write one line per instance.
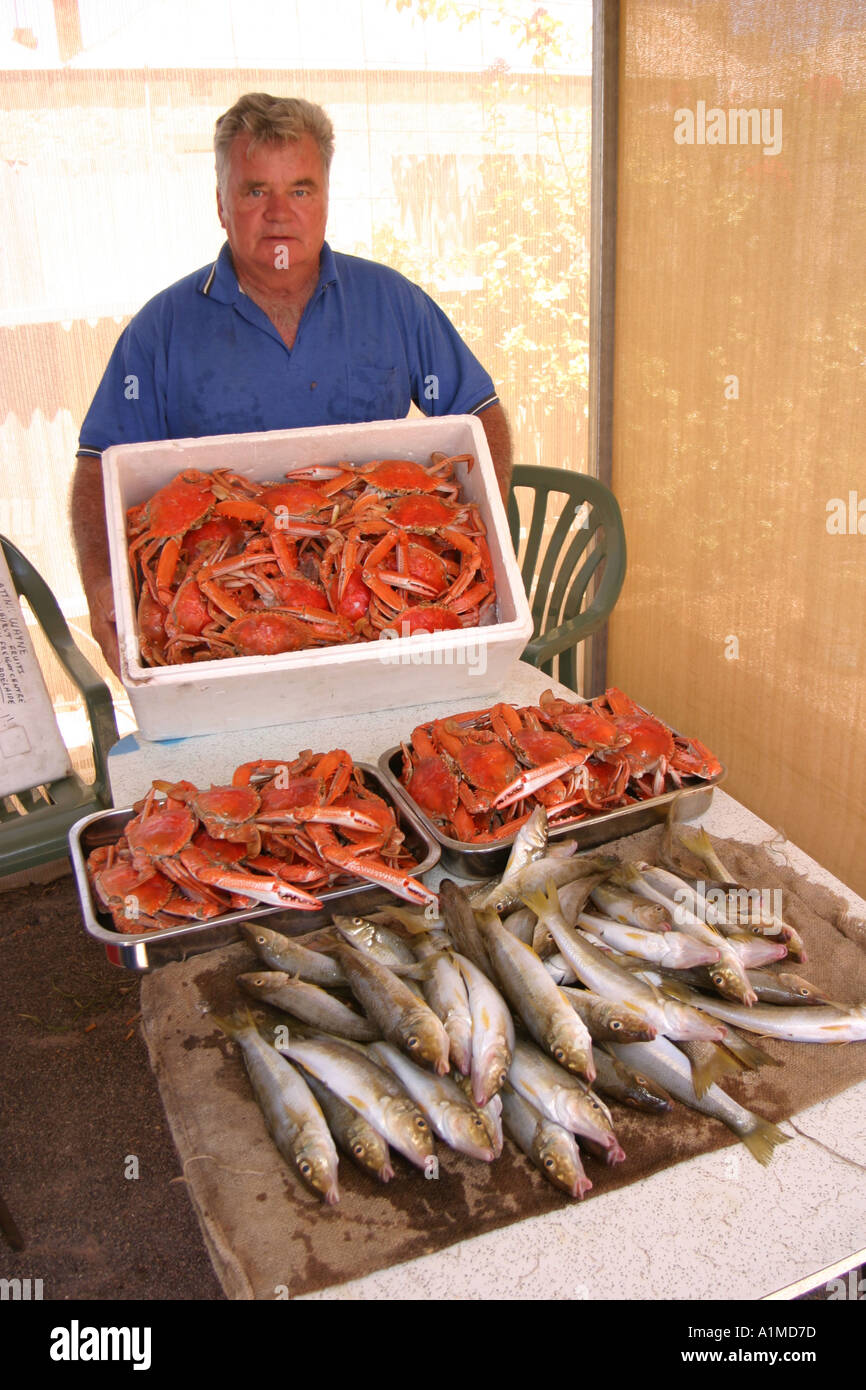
(762, 1139)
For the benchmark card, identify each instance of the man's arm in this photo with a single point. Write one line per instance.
(87, 511)
(495, 424)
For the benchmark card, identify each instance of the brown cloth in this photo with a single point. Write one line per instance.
(271, 1238)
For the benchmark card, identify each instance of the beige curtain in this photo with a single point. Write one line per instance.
(462, 159)
(740, 364)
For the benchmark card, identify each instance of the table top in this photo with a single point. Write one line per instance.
(716, 1227)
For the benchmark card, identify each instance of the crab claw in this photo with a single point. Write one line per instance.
(536, 777)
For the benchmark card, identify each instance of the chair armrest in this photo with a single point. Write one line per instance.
(559, 639)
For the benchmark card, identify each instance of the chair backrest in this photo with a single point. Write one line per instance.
(97, 697)
(569, 538)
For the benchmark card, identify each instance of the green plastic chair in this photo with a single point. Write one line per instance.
(587, 532)
(38, 834)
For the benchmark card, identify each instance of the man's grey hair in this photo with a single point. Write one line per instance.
(271, 121)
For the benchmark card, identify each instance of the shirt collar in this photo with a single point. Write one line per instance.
(221, 283)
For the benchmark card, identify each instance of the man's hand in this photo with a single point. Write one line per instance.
(100, 601)
(87, 508)
(495, 424)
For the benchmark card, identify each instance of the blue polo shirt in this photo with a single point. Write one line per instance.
(202, 358)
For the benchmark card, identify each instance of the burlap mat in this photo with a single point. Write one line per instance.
(269, 1238)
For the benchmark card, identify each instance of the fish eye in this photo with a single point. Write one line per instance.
(358, 1150)
(595, 1105)
(558, 1053)
(411, 1042)
(718, 979)
(420, 1123)
(549, 1163)
(503, 1075)
(804, 993)
(616, 1025)
(305, 1167)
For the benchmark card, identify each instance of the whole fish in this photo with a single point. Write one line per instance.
(671, 948)
(663, 1063)
(446, 1109)
(492, 1033)
(552, 1148)
(403, 1017)
(291, 1111)
(369, 1089)
(354, 1135)
(562, 1098)
(609, 1020)
(629, 908)
(603, 976)
(535, 998)
(823, 1024)
(531, 842)
(310, 1004)
(445, 992)
(375, 940)
(492, 1111)
(619, 1081)
(656, 885)
(532, 877)
(785, 987)
(771, 987)
(281, 953)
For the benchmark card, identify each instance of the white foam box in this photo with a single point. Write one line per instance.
(255, 692)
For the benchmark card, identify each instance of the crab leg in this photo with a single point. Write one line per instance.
(265, 890)
(375, 870)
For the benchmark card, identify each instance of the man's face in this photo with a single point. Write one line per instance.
(274, 211)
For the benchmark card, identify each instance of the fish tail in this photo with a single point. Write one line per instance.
(233, 1025)
(762, 1139)
(537, 902)
(711, 1067)
(747, 1053)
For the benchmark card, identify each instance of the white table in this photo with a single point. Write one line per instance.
(716, 1227)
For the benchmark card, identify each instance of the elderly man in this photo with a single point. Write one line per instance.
(279, 332)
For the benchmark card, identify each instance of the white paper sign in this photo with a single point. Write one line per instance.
(31, 748)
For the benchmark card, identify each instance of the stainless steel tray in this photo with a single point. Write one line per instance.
(148, 950)
(486, 861)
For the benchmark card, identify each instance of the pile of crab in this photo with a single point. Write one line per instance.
(280, 833)
(224, 566)
(478, 776)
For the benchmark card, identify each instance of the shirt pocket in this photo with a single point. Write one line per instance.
(377, 393)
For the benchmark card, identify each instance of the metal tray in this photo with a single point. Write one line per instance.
(148, 950)
(486, 861)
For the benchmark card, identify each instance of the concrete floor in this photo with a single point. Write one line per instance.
(79, 1102)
